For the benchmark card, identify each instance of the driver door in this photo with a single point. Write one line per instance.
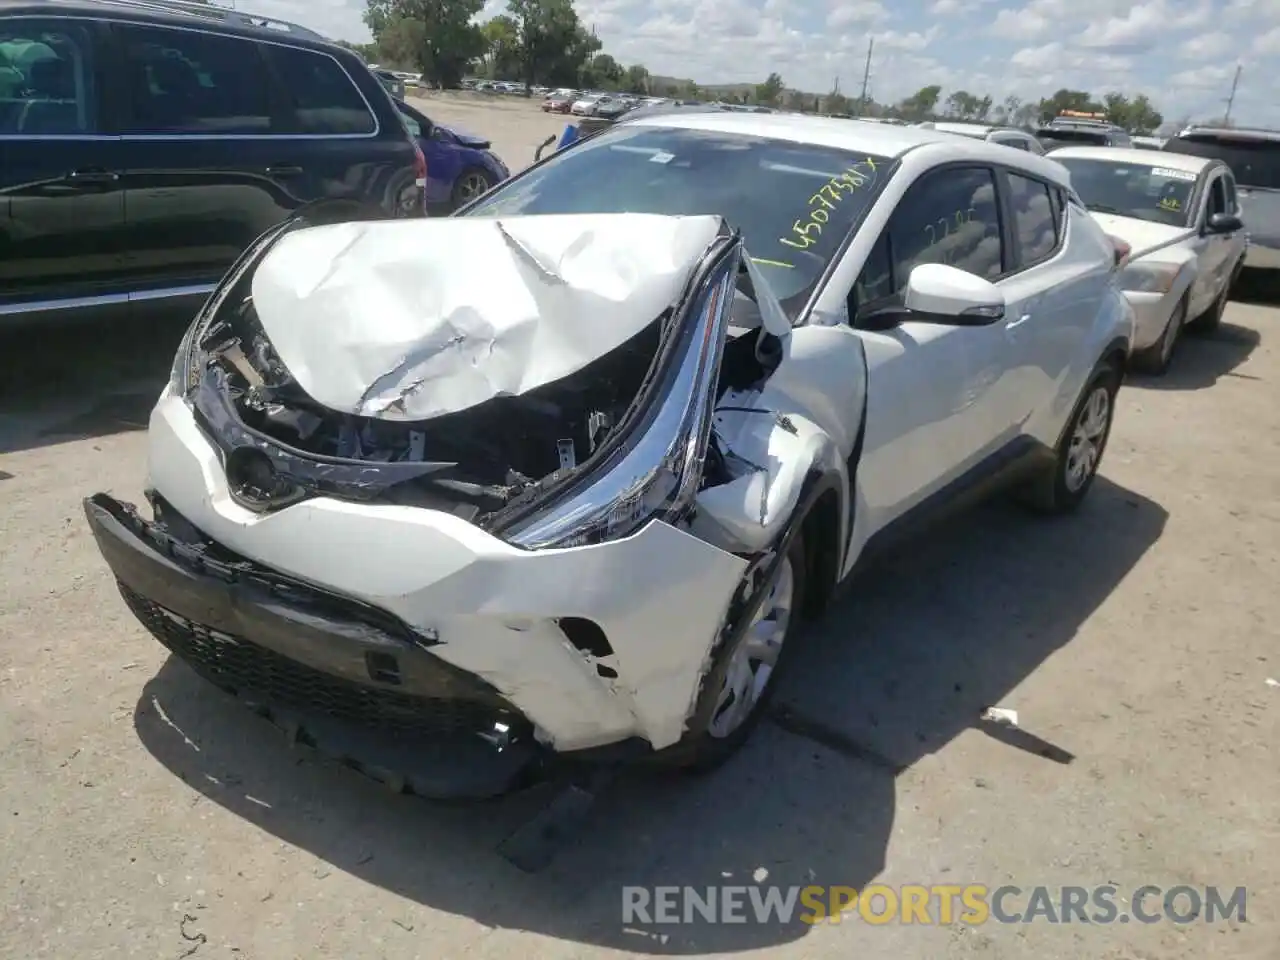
(929, 385)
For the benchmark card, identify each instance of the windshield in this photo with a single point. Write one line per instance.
(794, 202)
(1254, 161)
(1140, 190)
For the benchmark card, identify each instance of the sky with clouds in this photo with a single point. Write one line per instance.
(1181, 53)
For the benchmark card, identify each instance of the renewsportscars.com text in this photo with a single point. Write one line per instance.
(973, 904)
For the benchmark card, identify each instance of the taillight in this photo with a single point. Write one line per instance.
(419, 166)
(1122, 251)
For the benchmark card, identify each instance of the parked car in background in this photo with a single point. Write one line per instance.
(1254, 159)
(611, 108)
(672, 391)
(1179, 216)
(1062, 132)
(460, 166)
(1006, 136)
(1148, 143)
(586, 103)
(559, 101)
(392, 83)
(144, 147)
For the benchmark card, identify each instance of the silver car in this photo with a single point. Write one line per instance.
(1006, 136)
(1254, 159)
(1179, 217)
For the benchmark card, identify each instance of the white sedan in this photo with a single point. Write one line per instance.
(1180, 217)
(560, 475)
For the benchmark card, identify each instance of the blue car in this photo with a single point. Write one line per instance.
(460, 167)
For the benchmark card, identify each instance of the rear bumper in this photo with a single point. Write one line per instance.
(335, 676)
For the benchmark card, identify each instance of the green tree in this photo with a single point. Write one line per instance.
(602, 72)
(1065, 99)
(837, 103)
(501, 56)
(767, 93)
(921, 104)
(437, 36)
(554, 47)
(637, 79)
(1136, 115)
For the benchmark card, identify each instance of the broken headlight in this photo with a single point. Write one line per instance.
(656, 473)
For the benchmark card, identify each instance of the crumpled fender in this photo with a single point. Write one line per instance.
(803, 420)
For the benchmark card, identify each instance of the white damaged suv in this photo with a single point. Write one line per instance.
(557, 477)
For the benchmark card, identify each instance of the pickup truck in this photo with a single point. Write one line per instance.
(1254, 158)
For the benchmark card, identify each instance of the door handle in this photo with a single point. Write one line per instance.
(92, 178)
(1017, 322)
(284, 170)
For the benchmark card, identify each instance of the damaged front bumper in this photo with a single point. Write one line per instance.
(383, 631)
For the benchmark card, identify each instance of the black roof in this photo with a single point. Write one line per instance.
(177, 13)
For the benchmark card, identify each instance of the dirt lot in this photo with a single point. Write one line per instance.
(143, 814)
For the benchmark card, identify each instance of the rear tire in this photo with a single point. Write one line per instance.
(721, 732)
(1063, 485)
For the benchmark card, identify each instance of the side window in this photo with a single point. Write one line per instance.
(1033, 219)
(184, 82)
(325, 100)
(1016, 142)
(1217, 197)
(948, 216)
(46, 79)
(1229, 183)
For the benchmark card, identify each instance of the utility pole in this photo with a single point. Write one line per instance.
(866, 75)
(1226, 120)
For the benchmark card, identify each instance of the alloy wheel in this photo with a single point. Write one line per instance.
(1088, 437)
(751, 664)
(471, 186)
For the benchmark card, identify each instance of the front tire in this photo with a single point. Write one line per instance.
(1062, 487)
(1211, 319)
(1155, 360)
(471, 183)
(736, 691)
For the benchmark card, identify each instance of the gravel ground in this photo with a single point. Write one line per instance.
(144, 814)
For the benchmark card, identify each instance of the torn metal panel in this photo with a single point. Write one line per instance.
(414, 319)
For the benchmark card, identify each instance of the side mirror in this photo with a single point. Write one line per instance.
(937, 293)
(1224, 223)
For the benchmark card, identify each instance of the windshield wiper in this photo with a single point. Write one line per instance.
(1103, 208)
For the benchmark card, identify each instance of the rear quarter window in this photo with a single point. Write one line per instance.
(324, 99)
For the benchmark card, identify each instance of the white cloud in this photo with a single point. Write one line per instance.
(1268, 44)
(1203, 78)
(1207, 46)
(1024, 24)
(862, 13)
(1146, 25)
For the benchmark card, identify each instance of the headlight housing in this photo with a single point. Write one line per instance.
(1148, 277)
(657, 470)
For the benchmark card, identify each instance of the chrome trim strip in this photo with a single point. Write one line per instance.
(52, 15)
(104, 300)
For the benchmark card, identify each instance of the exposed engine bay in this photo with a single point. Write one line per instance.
(475, 462)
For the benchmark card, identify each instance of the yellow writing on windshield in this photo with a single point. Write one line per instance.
(1170, 203)
(806, 230)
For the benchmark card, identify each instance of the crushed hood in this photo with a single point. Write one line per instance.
(1142, 235)
(415, 319)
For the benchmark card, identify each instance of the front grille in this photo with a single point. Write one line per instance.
(243, 667)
